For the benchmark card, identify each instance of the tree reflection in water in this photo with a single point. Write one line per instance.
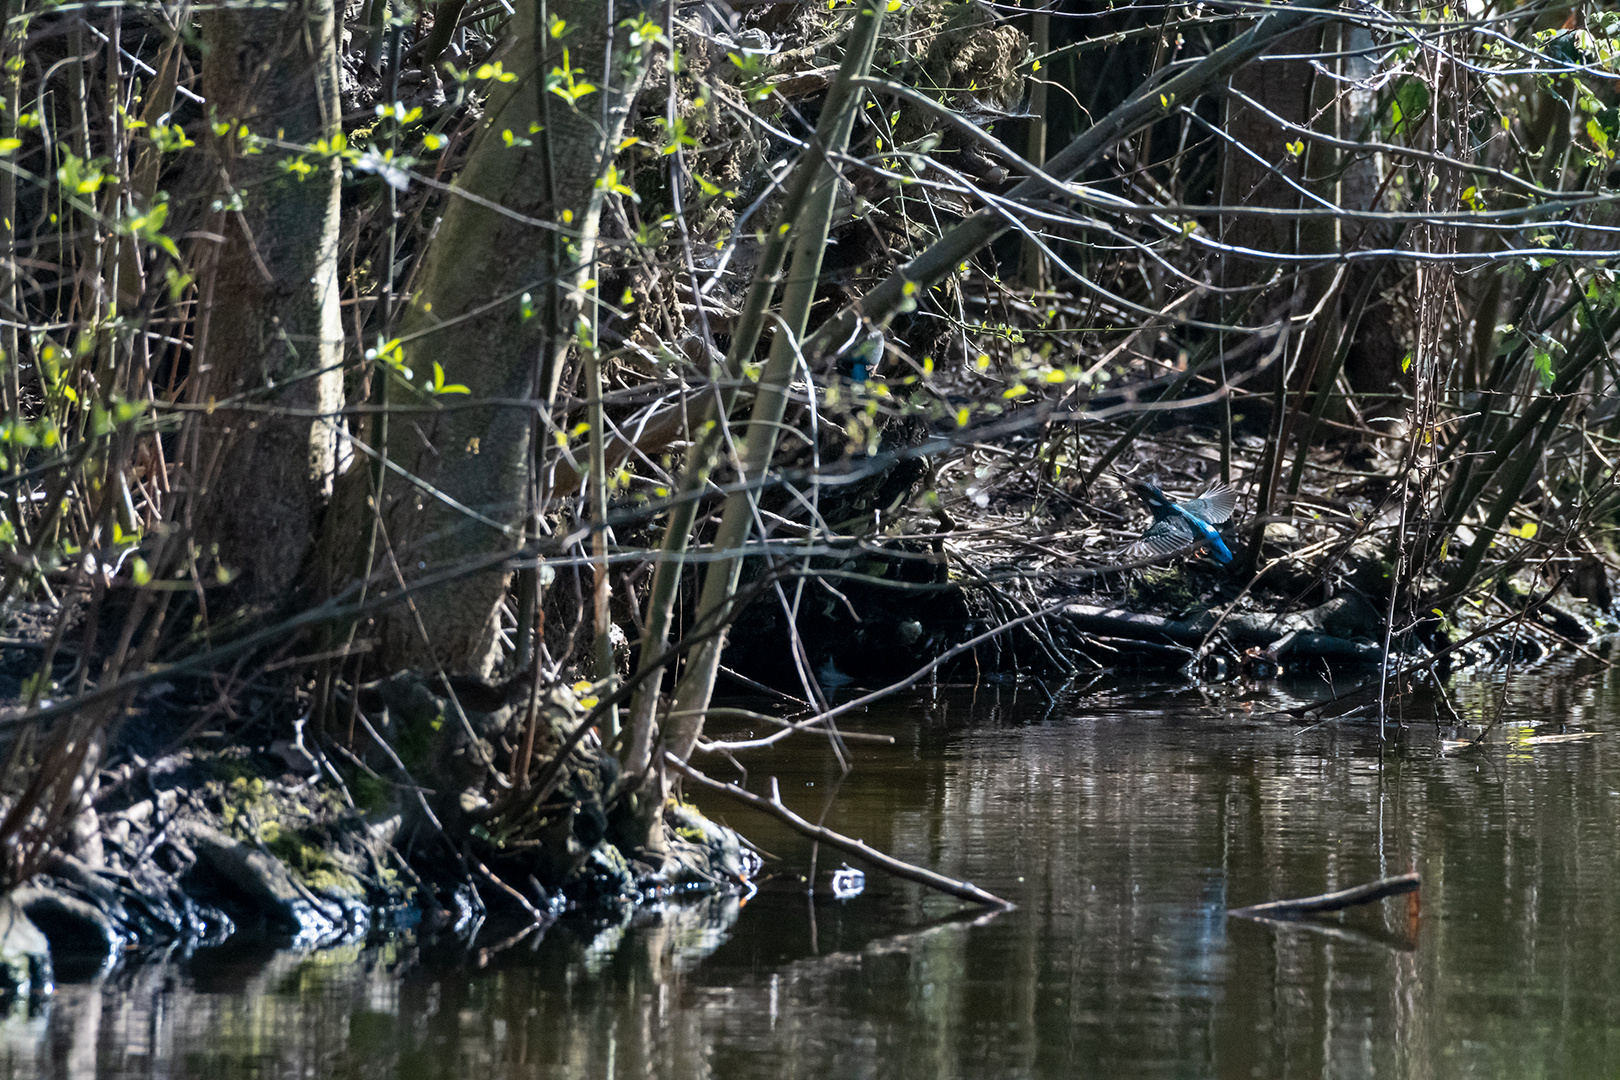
(1124, 823)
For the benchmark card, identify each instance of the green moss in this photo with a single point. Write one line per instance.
(333, 881)
(413, 742)
(251, 808)
(1165, 590)
(307, 857)
(230, 766)
(286, 823)
(370, 793)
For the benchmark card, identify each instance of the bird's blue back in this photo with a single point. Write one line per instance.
(1179, 525)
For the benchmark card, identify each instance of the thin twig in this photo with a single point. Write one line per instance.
(821, 834)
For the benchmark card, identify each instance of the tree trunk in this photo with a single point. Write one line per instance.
(270, 334)
(1258, 161)
(500, 295)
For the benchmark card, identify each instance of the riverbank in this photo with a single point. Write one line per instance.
(277, 835)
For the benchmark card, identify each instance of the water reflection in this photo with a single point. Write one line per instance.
(1124, 823)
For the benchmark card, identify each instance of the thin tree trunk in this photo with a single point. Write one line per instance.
(1031, 260)
(692, 694)
(713, 410)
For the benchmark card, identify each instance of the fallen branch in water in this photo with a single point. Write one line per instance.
(1333, 901)
(776, 808)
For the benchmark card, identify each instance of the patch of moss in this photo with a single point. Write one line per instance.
(371, 794)
(287, 822)
(686, 821)
(1167, 589)
(333, 881)
(309, 859)
(413, 742)
(232, 765)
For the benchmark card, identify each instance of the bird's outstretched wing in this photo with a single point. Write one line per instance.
(1167, 537)
(1215, 505)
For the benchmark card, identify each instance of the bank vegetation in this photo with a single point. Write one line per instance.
(430, 431)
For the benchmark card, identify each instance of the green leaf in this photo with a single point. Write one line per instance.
(1544, 368)
(441, 387)
(177, 282)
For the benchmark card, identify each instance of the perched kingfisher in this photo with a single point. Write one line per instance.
(862, 359)
(1179, 526)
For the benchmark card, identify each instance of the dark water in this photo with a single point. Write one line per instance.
(1124, 823)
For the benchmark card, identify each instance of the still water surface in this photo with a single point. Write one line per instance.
(1123, 822)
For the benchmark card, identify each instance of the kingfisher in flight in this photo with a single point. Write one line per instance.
(1179, 526)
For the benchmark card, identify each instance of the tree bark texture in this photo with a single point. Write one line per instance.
(273, 334)
(522, 220)
(1258, 163)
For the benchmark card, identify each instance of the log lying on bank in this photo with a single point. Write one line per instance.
(1333, 901)
(1327, 632)
(774, 806)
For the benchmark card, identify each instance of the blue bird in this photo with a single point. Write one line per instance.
(1179, 526)
(863, 360)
